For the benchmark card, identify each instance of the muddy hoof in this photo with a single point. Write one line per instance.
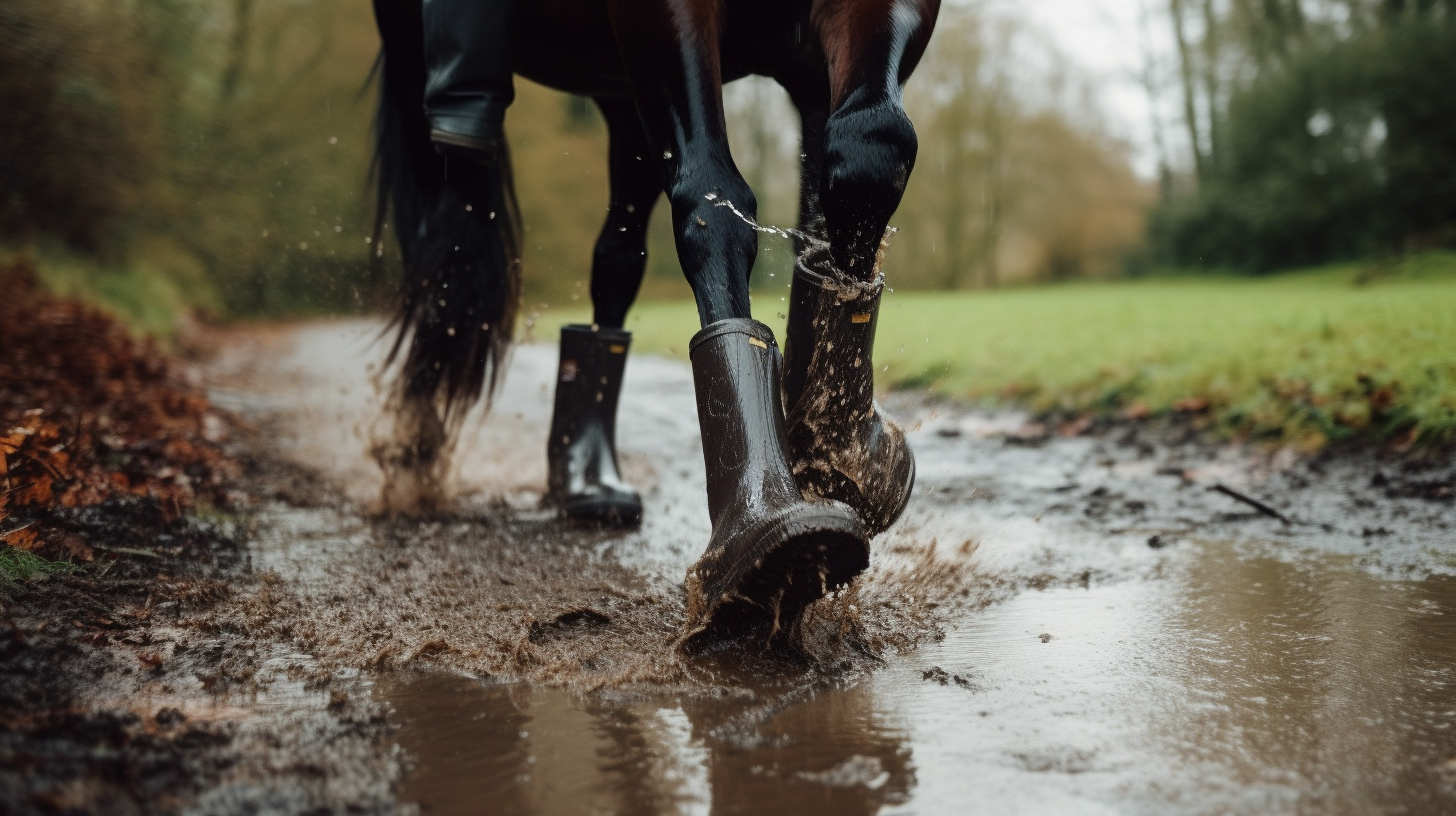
(754, 596)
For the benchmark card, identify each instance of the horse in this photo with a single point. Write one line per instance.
(803, 466)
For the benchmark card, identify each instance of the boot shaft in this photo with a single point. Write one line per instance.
(588, 388)
(831, 337)
(736, 367)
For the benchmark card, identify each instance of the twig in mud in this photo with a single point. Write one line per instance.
(127, 550)
(1252, 502)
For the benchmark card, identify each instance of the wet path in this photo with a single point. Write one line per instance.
(1063, 625)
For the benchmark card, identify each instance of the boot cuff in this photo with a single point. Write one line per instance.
(815, 269)
(733, 325)
(582, 331)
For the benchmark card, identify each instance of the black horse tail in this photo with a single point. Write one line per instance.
(459, 231)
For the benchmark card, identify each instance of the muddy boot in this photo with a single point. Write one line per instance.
(772, 551)
(582, 451)
(843, 446)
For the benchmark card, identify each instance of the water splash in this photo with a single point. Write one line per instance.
(810, 241)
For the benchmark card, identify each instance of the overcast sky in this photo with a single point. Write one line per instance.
(1105, 43)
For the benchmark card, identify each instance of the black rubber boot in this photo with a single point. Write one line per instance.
(581, 454)
(772, 552)
(468, 82)
(843, 446)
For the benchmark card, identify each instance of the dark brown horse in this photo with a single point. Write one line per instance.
(802, 468)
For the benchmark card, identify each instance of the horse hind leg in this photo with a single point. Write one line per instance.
(772, 552)
(856, 164)
(583, 476)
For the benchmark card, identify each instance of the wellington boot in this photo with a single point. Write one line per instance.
(582, 451)
(772, 551)
(843, 446)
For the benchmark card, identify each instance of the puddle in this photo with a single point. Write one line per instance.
(1234, 684)
(1060, 625)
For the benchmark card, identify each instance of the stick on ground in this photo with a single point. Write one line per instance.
(1252, 502)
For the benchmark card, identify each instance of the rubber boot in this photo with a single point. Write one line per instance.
(772, 551)
(581, 454)
(842, 444)
(468, 74)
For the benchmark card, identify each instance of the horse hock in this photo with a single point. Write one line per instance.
(842, 445)
(581, 452)
(772, 551)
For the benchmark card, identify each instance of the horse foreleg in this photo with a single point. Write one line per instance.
(810, 95)
(670, 48)
(856, 165)
(771, 552)
(870, 47)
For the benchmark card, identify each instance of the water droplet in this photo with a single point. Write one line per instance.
(303, 245)
(333, 140)
(442, 302)
(450, 331)
(338, 228)
(469, 207)
(667, 154)
(492, 215)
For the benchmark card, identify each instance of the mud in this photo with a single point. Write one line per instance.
(1059, 623)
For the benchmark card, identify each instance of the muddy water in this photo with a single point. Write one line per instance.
(1057, 625)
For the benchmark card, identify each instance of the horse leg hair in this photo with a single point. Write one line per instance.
(620, 257)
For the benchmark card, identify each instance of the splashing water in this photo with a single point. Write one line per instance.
(811, 242)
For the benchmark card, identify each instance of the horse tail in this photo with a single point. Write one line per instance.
(458, 226)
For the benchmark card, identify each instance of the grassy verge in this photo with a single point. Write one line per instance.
(19, 565)
(1304, 358)
(147, 296)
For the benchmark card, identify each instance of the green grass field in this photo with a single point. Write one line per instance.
(1303, 357)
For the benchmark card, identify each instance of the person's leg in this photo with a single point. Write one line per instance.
(468, 83)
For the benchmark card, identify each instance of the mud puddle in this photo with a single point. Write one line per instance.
(1074, 625)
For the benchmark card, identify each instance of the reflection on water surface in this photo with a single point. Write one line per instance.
(1233, 684)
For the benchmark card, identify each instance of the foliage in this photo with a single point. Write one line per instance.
(1317, 136)
(213, 154)
(1353, 351)
(1016, 178)
(90, 414)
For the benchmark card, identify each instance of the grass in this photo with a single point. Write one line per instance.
(1305, 357)
(148, 295)
(18, 565)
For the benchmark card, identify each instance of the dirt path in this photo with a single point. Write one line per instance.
(1059, 624)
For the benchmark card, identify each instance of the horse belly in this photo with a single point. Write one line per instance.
(569, 45)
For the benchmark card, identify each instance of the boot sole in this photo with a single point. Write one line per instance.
(615, 513)
(794, 562)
